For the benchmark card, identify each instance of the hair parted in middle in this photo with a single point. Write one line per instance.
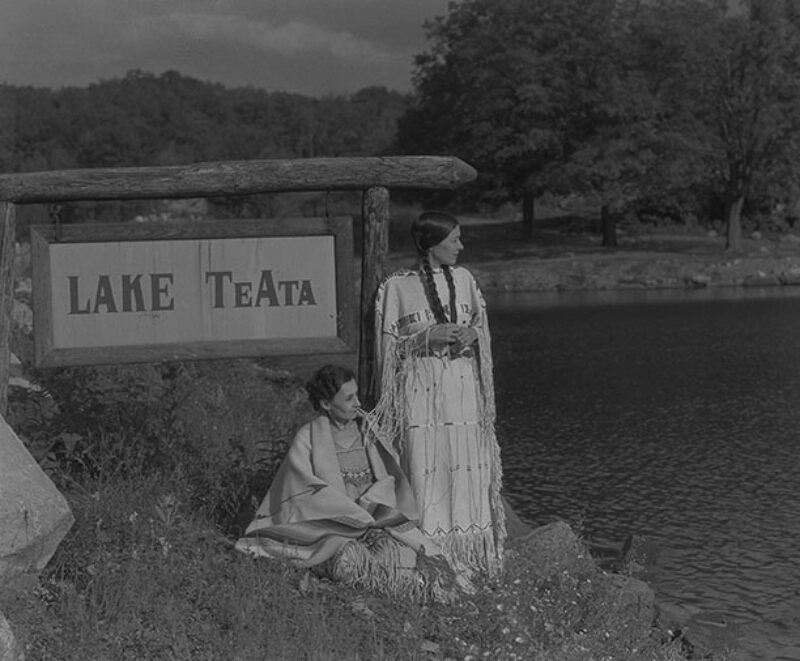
(326, 382)
(429, 230)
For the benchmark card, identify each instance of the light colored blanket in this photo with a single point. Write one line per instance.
(307, 517)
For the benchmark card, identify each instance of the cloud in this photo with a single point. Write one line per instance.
(306, 46)
(292, 38)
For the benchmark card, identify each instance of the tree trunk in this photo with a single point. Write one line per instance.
(527, 214)
(608, 223)
(733, 223)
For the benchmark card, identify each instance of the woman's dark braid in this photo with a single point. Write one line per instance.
(448, 275)
(430, 291)
(433, 296)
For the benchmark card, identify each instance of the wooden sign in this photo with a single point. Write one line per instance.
(142, 292)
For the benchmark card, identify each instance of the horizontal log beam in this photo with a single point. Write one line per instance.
(236, 178)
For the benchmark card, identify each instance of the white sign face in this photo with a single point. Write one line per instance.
(116, 294)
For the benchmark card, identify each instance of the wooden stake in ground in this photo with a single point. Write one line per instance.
(374, 265)
(7, 242)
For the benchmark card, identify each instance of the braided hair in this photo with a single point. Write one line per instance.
(427, 231)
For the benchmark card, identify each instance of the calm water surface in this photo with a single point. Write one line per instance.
(674, 415)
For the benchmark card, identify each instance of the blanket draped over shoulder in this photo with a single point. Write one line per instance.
(308, 519)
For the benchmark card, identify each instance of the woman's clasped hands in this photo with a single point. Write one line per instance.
(451, 335)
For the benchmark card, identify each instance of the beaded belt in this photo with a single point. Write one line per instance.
(466, 352)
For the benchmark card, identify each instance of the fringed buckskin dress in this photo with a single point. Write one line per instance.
(438, 406)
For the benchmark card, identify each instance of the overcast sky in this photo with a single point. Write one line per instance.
(309, 46)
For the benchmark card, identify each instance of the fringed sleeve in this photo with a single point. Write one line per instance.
(392, 351)
(480, 322)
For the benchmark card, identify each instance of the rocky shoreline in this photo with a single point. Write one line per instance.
(635, 270)
(557, 259)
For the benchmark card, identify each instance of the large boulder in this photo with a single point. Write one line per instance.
(554, 549)
(630, 595)
(10, 650)
(34, 516)
(515, 526)
(551, 549)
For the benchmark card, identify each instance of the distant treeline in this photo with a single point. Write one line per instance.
(145, 119)
(172, 119)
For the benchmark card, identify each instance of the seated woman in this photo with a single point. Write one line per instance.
(341, 505)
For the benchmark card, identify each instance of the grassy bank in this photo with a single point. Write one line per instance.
(163, 465)
(142, 577)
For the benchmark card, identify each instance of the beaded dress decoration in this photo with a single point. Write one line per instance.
(438, 408)
(352, 456)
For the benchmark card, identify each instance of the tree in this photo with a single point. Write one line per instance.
(614, 98)
(612, 144)
(479, 96)
(730, 98)
(519, 87)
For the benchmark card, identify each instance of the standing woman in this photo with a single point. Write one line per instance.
(434, 367)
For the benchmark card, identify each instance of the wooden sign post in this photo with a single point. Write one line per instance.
(8, 230)
(375, 176)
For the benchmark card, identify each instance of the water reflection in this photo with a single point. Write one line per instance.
(677, 420)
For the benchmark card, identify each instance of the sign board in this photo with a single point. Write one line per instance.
(135, 292)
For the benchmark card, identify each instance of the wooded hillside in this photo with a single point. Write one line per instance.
(172, 119)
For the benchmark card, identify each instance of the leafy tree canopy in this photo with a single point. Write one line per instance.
(614, 97)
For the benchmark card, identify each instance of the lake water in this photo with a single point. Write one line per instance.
(670, 414)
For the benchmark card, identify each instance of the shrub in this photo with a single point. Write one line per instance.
(222, 426)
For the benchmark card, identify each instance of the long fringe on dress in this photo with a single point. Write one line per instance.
(390, 567)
